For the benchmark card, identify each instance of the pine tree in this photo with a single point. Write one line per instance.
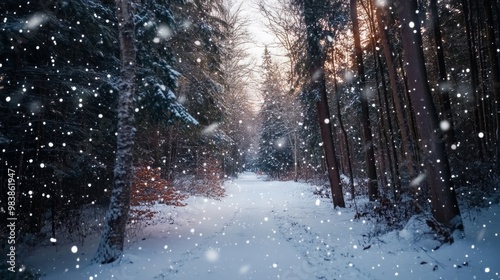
(58, 63)
(156, 76)
(275, 150)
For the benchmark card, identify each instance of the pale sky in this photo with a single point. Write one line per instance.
(260, 36)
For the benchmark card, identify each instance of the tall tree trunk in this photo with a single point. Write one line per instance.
(495, 70)
(365, 114)
(443, 198)
(485, 100)
(317, 86)
(471, 46)
(383, 157)
(385, 130)
(397, 90)
(296, 156)
(411, 119)
(344, 132)
(384, 110)
(443, 84)
(111, 245)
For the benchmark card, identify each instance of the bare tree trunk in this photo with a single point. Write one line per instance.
(443, 84)
(391, 152)
(295, 157)
(475, 89)
(397, 90)
(383, 156)
(111, 245)
(344, 133)
(495, 71)
(411, 118)
(443, 198)
(365, 114)
(318, 87)
(347, 145)
(385, 130)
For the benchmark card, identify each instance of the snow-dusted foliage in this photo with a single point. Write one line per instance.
(275, 149)
(57, 76)
(276, 139)
(156, 26)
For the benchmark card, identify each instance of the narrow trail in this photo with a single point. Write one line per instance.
(257, 236)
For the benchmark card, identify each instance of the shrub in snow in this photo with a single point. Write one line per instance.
(149, 189)
(386, 215)
(206, 179)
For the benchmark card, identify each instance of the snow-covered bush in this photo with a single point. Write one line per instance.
(207, 180)
(149, 189)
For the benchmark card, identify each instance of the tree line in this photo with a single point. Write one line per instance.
(403, 94)
(94, 92)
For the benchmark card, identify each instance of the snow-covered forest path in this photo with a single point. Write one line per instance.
(280, 230)
(261, 230)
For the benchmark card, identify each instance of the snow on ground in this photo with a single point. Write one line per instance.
(280, 230)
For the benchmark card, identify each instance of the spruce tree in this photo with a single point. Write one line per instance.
(275, 151)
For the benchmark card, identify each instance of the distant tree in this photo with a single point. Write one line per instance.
(286, 25)
(275, 155)
(236, 71)
(110, 247)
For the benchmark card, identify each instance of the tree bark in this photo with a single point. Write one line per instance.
(318, 87)
(397, 90)
(111, 245)
(474, 77)
(391, 152)
(443, 198)
(295, 157)
(365, 114)
(443, 84)
(343, 132)
(495, 70)
(483, 77)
